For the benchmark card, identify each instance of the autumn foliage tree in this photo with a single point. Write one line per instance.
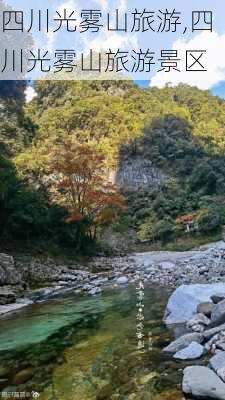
(187, 220)
(82, 187)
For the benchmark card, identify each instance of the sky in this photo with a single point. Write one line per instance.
(213, 43)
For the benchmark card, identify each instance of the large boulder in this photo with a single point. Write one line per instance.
(182, 342)
(9, 275)
(183, 303)
(218, 313)
(191, 352)
(217, 363)
(202, 382)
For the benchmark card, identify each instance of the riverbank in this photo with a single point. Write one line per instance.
(196, 316)
(35, 281)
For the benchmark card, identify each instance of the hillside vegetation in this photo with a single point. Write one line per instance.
(180, 130)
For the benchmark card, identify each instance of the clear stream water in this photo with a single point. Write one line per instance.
(85, 348)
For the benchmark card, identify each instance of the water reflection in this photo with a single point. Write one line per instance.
(85, 348)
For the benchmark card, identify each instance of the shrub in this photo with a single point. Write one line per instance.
(208, 220)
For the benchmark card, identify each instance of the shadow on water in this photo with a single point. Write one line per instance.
(83, 349)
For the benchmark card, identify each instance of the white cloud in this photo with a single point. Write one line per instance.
(103, 4)
(69, 6)
(113, 41)
(213, 60)
(122, 5)
(30, 93)
(105, 40)
(50, 41)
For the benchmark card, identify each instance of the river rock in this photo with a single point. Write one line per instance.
(42, 293)
(122, 280)
(216, 342)
(94, 291)
(213, 331)
(218, 312)
(191, 352)
(205, 308)
(201, 382)
(217, 298)
(198, 319)
(23, 376)
(183, 303)
(217, 363)
(166, 265)
(182, 342)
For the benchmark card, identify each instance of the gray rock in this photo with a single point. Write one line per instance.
(99, 281)
(192, 352)
(217, 363)
(183, 303)
(40, 294)
(136, 173)
(216, 341)
(205, 308)
(213, 331)
(198, 328)
(122, 280)
(182, 342)
(218, 312)
(9, 274)
(201, 381)
(198, 319)
(7, 296)
(94, 291)
(216, 298)
(166, 265)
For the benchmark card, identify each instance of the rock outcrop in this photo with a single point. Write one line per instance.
(9, 274)
(137, 172)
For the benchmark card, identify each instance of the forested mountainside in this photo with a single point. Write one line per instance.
(164, 147)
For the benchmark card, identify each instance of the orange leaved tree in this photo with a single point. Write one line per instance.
(81, 185)
(187, 220)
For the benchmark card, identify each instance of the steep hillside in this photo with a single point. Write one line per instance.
(165, 148)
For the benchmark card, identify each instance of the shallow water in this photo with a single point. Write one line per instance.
(85, 348)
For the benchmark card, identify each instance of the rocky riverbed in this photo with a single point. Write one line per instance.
(21, 284)
(195, 311)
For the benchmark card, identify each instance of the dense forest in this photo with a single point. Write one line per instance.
(57, 150)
